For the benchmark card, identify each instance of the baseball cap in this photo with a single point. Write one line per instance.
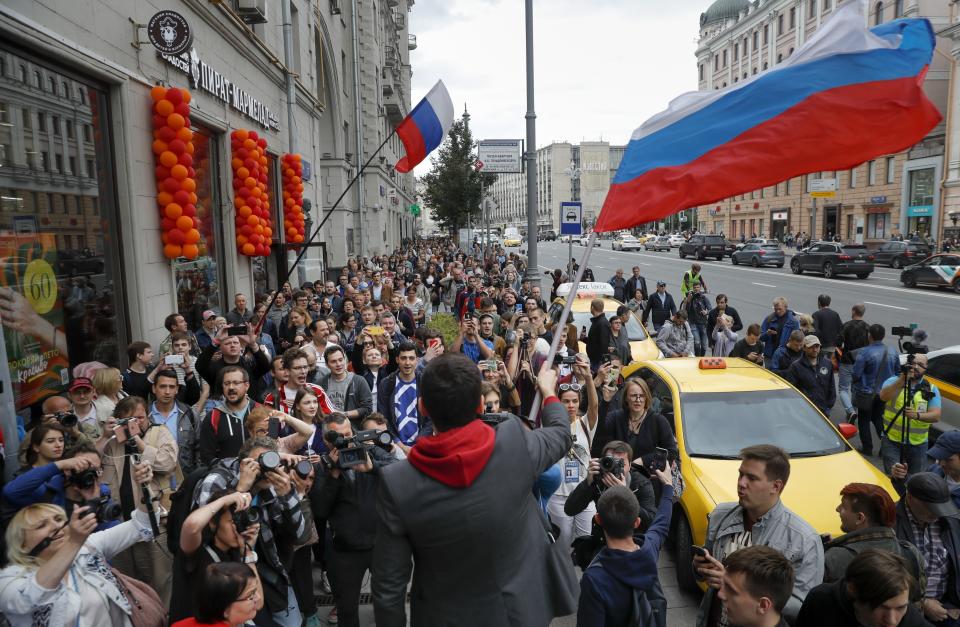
(811, 340)
(363, 286)
(663, 283)
(209, 313)
(80, 382)
(947, 444)
(933, 492)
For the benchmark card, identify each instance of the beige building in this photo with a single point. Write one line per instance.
(565, 172)
(950, 184)
(897, 193)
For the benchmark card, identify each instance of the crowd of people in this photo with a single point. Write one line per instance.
(379, 425)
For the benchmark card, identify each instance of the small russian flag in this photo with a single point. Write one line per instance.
(425, 127)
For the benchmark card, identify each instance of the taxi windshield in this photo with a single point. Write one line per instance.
(719, 424)
(635, 330)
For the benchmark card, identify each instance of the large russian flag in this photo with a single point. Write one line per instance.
(425, 127)
(848, 95)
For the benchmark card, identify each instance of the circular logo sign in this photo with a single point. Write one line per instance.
(169, 32)
(40, 286)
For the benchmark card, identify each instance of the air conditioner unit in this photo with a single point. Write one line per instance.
(335, 7)
(252, 11)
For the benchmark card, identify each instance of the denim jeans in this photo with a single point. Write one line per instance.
(844, 387)
(699, 339)
(914, 454)
(289, 617)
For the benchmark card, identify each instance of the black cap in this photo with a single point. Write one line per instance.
(933, 491)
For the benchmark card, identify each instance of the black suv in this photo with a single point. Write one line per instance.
(549, 236)
(702, 246)
(900, 254)
(830, 260)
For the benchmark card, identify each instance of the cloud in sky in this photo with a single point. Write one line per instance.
(601, 66)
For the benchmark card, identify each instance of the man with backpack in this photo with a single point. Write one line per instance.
(853, 337)
(222, 431)
(621, 585)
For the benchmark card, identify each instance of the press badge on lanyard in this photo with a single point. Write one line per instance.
(571, 471)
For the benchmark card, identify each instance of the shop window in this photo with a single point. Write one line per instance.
(200, 281)
(75, 299)
(877, 225)
(921, 187)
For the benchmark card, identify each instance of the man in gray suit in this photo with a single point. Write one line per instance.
(462, 504)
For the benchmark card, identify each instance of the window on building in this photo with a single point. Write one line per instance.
(761, 232)
(877, 225)
(756, 39)
(826, 5)
(73, 166)
(86, 131)
(27, 119)
(779, 57)
(55, 125)
(320, 76)
(776, 189)
(83, 95)
(736, 79)
(898, 8)
(872, 172)
(780, 30)
(53, 85)
(295, 27)
(849, 232)
(746, 40)
(22, 73)
(891, 172)
(790, 51)
(700, 70)
(793, 17)
(65, 89)
(764, 65)
(786, 187)
(754, 70)
(853, 178)
(58, 159)
(812, 11)
(744, 76)
(921, 187)
(878, 13)
(766, 34)
(45, 161)
(343, 70)
(724, 58)
(70, 129)
(37, 79)
(90, 168)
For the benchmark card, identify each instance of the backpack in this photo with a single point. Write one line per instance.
(643, 612)
(181, 502)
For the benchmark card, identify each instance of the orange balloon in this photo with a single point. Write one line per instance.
(244, 212)
(168, 159)
(175, 121)
(241, 239)
(238, 202)
(263, 161)
(241, 134)
(253, 220)
(164, 198)
(159, 146)
(185, 134)
(186, 98)
(184, 223)
(192, 236)
(249, 144)
(159, 92)
(236, 163)
(190, 148)
(267, 232)
(163, 107)
(299, 188)
(255, 192)
(242, 172)
(188, 185)
(248, 248)
(193, 197)
(178, 172)
(298, 238)
(173, 211)
(258, 229)
(190, 251)
(250, 182)
(172, 251)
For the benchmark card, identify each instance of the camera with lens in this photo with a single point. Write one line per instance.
(84, 479)
(246, 518)
(353, 450)
(510, 337)
(302, 467)
(269, 460)
(67, 419)
(103, 508)
(568, 360)
(123, 422)
(612, 465)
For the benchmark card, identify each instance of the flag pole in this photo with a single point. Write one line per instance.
(303, 246)
(567, 306)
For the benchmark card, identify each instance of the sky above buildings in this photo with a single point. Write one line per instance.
(602, 66)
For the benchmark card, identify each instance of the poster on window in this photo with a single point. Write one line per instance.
(34, 341)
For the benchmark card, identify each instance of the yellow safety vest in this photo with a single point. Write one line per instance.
(917, 429)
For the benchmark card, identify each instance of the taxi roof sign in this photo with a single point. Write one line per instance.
(712, 363)
(588, 289)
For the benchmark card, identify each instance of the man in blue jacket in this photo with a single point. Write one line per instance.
(623, 569)
(776, 329)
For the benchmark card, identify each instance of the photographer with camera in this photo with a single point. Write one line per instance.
(911, 405)
(58, 572)
(345, 494)
(469, 341)
(258, 469)
(223, 530)
(128, 442)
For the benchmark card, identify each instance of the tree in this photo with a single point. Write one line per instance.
(452, 186)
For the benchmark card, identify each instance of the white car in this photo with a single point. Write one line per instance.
(585, 239)
(627, 242)
(676, 239)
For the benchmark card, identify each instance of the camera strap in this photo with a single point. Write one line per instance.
(43, 544)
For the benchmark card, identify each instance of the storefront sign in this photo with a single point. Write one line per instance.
(920, 211)
(877, 209)
(169, 32)
(204, 77)
(779, 216)
(878, 200)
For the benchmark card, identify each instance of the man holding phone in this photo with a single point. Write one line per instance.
(759, 517)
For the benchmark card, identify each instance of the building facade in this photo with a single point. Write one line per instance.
(892, 194)
(80, 231)
(565, 172)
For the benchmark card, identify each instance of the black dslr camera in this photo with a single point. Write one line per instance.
(612, 465)
(246, 518)
(67, 419)
(911, 347)
(102, 508)
(353, 450)
(84, 479)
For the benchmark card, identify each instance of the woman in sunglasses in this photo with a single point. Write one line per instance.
(573, 467)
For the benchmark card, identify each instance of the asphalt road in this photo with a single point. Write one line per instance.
(751, 290)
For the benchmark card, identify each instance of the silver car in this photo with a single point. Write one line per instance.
(660, 242)
(759, 255)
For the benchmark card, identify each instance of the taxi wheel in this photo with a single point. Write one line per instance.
(910, 281)
(686, 578)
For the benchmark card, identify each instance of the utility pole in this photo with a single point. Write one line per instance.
(533, 270)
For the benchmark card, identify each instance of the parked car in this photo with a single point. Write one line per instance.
(661, 242)
(831, 259)
(72, 262)
(900, 254)
(703, 246)
(759, 255)
(729, 247)
(938, 270)
(585, 239)
(626, 242)
(676, 239)
(549, 236)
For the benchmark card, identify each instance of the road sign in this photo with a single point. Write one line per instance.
(478, 165)
(823, 188)
(501, 156)
(571, 218)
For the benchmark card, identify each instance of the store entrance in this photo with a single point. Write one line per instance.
(831, 221)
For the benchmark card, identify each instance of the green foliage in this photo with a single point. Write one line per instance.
(452, 187)
(446, 324)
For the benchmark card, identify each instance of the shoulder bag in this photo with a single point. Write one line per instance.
(146, 608)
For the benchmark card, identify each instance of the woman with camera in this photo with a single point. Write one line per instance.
(295, 332)
(228, 594)
(211, 534)
(58, 572)
(45, 446)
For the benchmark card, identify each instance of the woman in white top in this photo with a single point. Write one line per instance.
(58, 573)
(108, 383)
(573, 467)
(724, 338)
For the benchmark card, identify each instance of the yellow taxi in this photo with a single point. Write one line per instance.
(717, 407)
(943, 370)
(642, 346)
(512, 240)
